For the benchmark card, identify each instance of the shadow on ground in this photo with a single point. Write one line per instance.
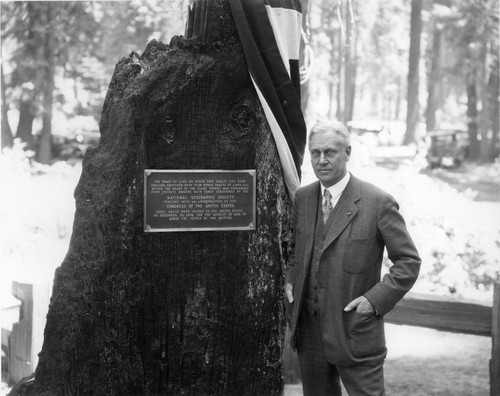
(481, 182)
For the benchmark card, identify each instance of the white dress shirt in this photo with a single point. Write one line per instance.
(337, 189)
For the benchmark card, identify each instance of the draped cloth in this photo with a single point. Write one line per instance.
(270, 31)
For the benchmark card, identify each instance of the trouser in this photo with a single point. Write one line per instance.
(319, 377)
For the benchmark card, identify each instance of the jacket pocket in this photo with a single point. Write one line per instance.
(366, 335)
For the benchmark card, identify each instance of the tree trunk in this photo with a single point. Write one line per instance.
(399, 98)
(7, 139)
(494, 102)
(44, 154)
(30, 94)
(27, 112)
(177, 313)
(433, 90)
(350, 63)
(484, 125)
(331, 94)
(340, 113)
(413, 72)
(472, 114)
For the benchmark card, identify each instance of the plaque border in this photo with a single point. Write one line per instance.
(251, 226)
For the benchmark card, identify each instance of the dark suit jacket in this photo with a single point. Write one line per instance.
(365, 221)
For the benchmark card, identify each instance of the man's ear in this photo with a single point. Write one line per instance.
(348, 152)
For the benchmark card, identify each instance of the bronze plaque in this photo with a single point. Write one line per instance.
(199, 200)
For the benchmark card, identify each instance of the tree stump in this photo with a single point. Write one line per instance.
(180, 313)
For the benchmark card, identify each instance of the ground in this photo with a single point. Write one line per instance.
(425, 362)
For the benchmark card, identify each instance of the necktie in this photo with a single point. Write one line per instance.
(327, 205)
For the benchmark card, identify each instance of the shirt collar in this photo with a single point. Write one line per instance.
(338, 187)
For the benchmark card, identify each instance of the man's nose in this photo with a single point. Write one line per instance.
(322, 158)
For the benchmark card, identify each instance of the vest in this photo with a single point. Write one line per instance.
(311, 303)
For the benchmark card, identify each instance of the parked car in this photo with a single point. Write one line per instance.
(62, 147)
(374, 133)
(71, 137)
(447, 148)
(87, 139)
(361, 127)
(74, 146)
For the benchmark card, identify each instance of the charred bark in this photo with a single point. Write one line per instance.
(171, 313)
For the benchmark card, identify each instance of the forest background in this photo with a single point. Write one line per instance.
(364, 61)
(396, 71)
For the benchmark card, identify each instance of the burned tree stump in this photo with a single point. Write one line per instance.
(196, 313)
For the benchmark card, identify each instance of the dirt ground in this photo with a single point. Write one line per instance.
(480, 181)
(426, 362)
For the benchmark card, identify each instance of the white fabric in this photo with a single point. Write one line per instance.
(287, 28)
(290, 174)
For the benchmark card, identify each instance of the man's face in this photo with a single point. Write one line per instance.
(329, 156)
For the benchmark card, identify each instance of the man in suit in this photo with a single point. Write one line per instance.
(335, 298)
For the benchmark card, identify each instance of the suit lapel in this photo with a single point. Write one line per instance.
(343, 213)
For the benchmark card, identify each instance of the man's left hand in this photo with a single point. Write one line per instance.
(360, 305)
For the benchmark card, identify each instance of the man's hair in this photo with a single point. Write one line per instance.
(331, 126)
